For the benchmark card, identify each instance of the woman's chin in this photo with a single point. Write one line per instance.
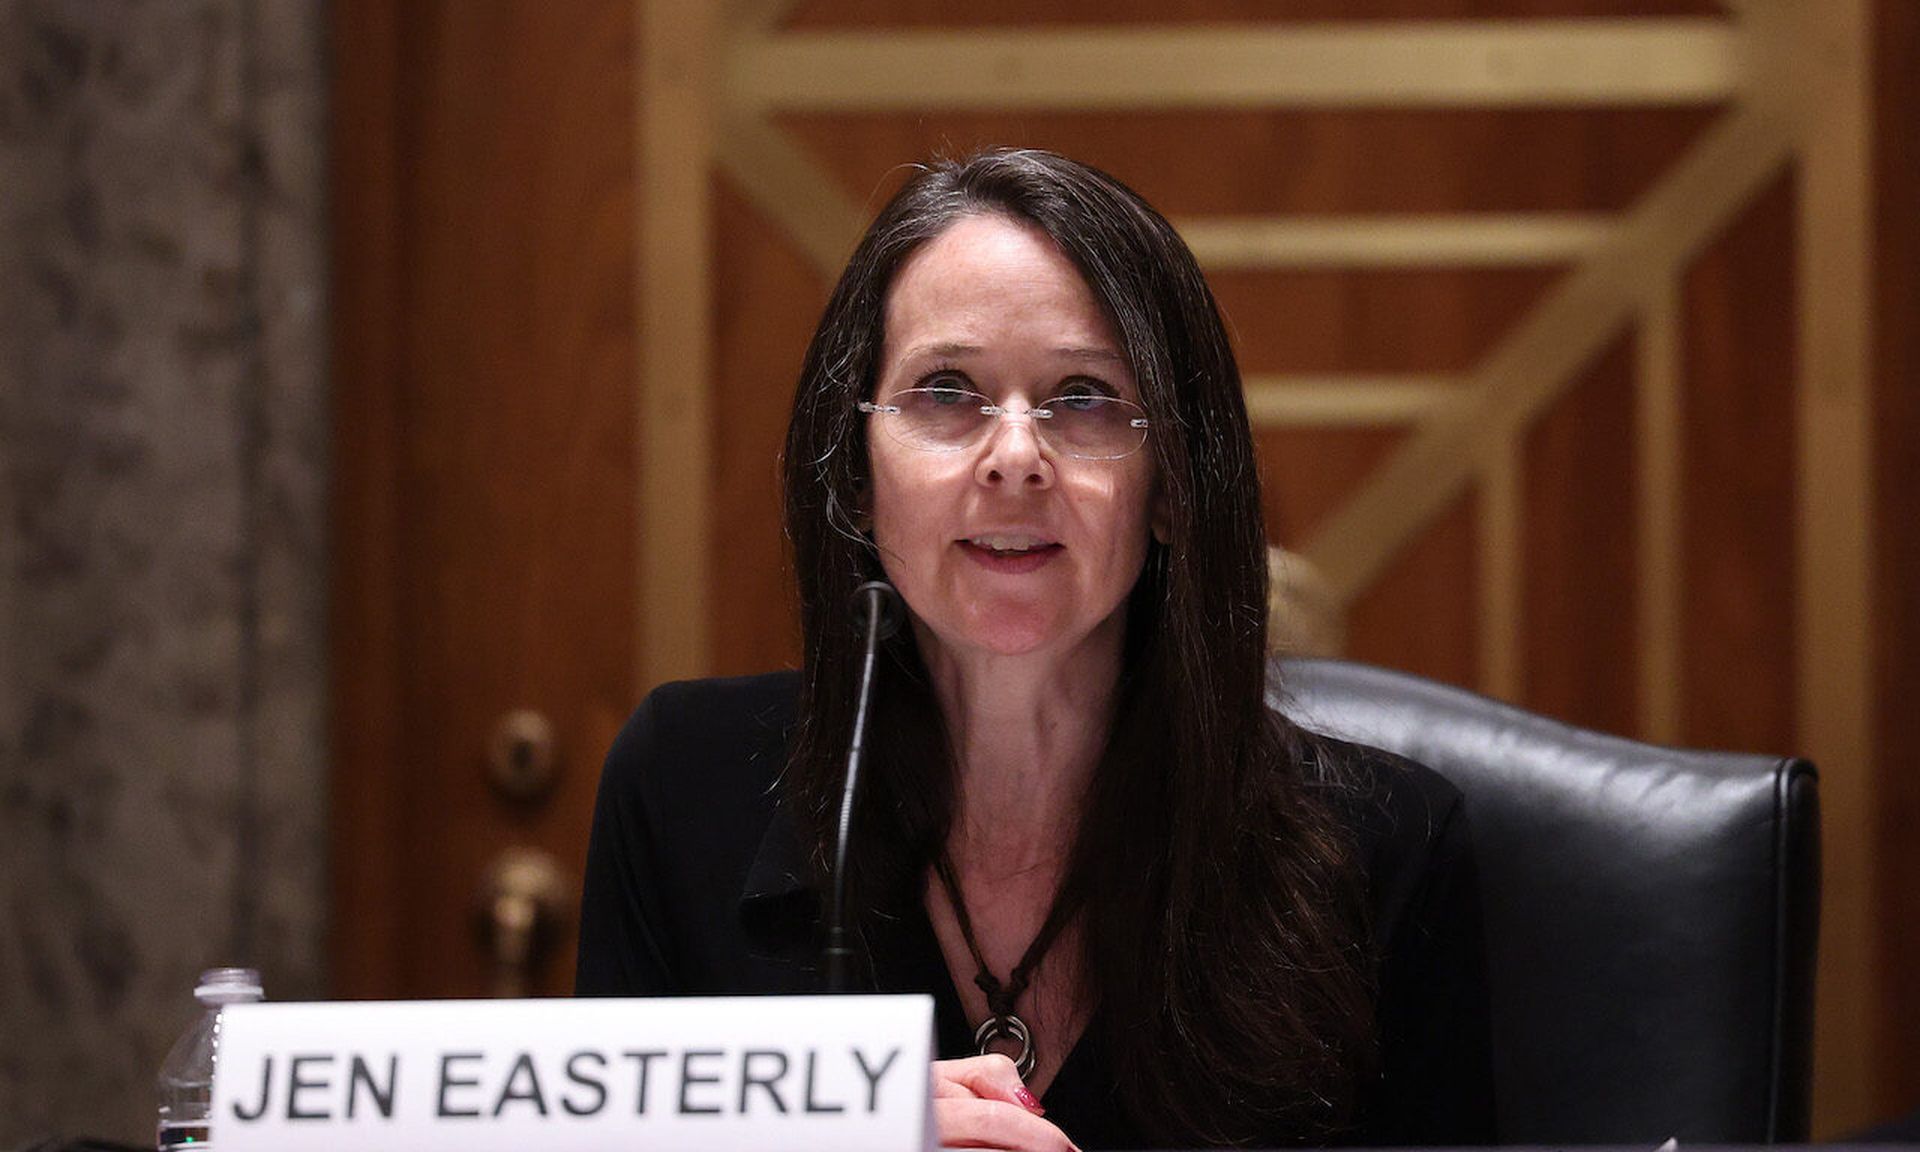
(1009, 629)
(1015, 635)
(1004, 634)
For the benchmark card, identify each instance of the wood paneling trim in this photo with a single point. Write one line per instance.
(1501, 615)
(1348, 400)
(364, 667)
(1658, 517)
(1832, 624)
(793, 191)
(1896, 633)
(1434, 64)
(673, 116)
(1393, 241)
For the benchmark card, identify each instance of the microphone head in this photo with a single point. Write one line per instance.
(878, 596)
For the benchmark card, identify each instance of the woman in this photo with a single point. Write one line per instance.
(1082, 829)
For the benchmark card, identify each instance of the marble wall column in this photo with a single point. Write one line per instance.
(162, 475)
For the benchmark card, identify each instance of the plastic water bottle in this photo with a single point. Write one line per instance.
(186, 1076)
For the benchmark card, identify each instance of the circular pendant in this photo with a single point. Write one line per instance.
(1007, 1028)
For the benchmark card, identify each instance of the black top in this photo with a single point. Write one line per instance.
(696, 885)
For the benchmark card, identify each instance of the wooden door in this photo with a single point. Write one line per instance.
(483, 433)
(1551, 312)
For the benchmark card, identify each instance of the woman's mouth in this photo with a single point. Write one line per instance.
(1008, 543)
(1010, 553)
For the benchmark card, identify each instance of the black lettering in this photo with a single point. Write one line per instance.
(361, 1074)
(296, 1083)
(266, 1086)
(447, 1081)
(643, 1059)
(688, 1079)
(599, 1086)
(770, 1083)
(531, 1091)
(814, 1105)
(873, 1076)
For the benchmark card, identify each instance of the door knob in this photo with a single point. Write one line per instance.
(521, 762)
(520, 909)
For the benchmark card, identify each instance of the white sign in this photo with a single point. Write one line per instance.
(803, 1073)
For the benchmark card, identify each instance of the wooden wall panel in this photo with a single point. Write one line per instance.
(1896, 361)
(1579, 532)
(1423, 614)
(1427, 320)
(766, 302)
(1308, 473)
(1738, 508)
(365, 842)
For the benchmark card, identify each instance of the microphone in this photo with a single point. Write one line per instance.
(878, 612)
(877, 599)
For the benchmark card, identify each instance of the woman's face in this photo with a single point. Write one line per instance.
(1005, 547)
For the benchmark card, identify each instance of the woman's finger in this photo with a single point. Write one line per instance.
(987, 1077)
(967, 1122)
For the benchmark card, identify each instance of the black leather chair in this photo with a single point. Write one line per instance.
(1650, 912)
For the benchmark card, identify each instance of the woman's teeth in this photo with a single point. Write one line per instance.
(1008, 543)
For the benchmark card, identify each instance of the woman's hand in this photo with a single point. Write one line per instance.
(981, 1102)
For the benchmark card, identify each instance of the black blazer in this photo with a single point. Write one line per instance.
(696, 884)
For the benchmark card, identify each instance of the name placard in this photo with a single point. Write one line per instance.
(833, 1074)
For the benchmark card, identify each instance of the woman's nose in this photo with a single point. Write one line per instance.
(1014, 454)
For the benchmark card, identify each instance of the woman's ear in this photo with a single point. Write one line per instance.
(1161, 518)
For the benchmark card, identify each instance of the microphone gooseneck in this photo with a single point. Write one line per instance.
(878, 612)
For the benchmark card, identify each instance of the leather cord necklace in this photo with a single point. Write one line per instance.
(1001, 1022)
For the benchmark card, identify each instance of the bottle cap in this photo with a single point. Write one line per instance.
(229, 986)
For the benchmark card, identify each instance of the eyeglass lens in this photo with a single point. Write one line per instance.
(1092, 426)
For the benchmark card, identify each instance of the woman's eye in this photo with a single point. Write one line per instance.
(946, 395)
(1084, 394)
(946, 385)
(1080, 388)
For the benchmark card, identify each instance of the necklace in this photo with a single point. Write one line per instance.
(1002, 1023)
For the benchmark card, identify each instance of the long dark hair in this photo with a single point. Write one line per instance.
(1222, 917)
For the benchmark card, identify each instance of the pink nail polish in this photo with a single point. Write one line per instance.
(1029, 1101)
